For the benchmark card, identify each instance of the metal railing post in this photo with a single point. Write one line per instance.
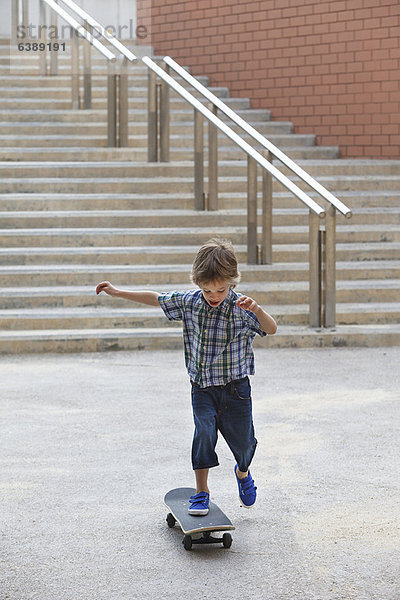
(111, 106)
(42, 55)
(25, 14)
(14, 22)
(75, 71)
(53, 55)
(164, 118)
(199, 202)
(212, 163)
(266, 248)
(315, 270)
(330, 268)
(152, 150)
(87, 71)
(252, 257)
(123, 111)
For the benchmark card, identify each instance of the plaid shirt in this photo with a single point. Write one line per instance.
(217, 341)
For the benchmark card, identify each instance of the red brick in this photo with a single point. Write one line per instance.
(390, 64)
(392, 42)
(272, 69)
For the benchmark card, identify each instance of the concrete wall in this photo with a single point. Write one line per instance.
(5, 18)
(331, 67)
(119, 14)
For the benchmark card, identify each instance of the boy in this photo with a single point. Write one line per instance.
(219, 327)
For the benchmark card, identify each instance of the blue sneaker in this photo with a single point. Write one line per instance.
(199, 504)
(247, 490)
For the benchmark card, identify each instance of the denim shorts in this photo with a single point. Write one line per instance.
(228, 409)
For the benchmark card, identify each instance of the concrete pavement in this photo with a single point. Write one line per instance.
(90, 443)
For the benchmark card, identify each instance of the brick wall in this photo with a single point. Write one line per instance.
(331, 67)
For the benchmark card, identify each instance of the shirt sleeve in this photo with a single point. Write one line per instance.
(252, 322)
(172, 305)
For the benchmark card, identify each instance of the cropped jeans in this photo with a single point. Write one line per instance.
(228, 409)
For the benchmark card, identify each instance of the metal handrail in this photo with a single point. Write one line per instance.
(322, 244)
(250, 151)
(288, 162)
(104, 33)
(81, 30)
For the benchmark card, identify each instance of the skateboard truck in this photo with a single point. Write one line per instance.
(206, 538)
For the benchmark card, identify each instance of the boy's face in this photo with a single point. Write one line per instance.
(215, 292)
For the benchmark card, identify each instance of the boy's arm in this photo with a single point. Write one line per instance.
(267, 323)
(144, 296)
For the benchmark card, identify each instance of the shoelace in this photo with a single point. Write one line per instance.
(200, 498)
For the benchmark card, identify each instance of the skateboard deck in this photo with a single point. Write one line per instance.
(177, 501)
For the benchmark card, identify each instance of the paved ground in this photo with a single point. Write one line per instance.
(90, 443)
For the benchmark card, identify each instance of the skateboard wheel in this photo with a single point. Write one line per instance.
(227, 540)
(187, 542)
(170, 520)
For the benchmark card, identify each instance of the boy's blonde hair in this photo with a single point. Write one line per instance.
(215, 260)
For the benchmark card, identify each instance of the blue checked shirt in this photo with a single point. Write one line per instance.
(217, 341)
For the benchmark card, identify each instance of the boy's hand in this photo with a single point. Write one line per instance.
(247, 303)
(105, 286)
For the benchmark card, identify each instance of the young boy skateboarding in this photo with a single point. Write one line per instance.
(219, 327)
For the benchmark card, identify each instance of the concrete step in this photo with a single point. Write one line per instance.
(226, 168)
(64, 102)
(140, 155)
(346, 167)
(272, 293)
(102, 317)
(137, 78)
(72, 274)
(50, 89)
(172, 255)
(81, 296)
(378, 199)
(282, 217)
(178, 113)
(99, 340)
(115, 170)
(140, 141)
(116, 236)
(157, 185)
(266, 128)
(77, 154)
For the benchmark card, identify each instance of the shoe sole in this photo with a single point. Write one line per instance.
(245, 505)
(199, 513)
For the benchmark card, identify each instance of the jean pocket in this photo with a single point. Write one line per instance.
(242, 389)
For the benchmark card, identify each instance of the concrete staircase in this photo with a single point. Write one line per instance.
(74, 212)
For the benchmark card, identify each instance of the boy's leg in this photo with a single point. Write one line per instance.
(240, 474)
(201, 480)
(203, 447)
(236, 424)
(205, 435)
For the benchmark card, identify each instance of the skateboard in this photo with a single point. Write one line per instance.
(177, 501)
